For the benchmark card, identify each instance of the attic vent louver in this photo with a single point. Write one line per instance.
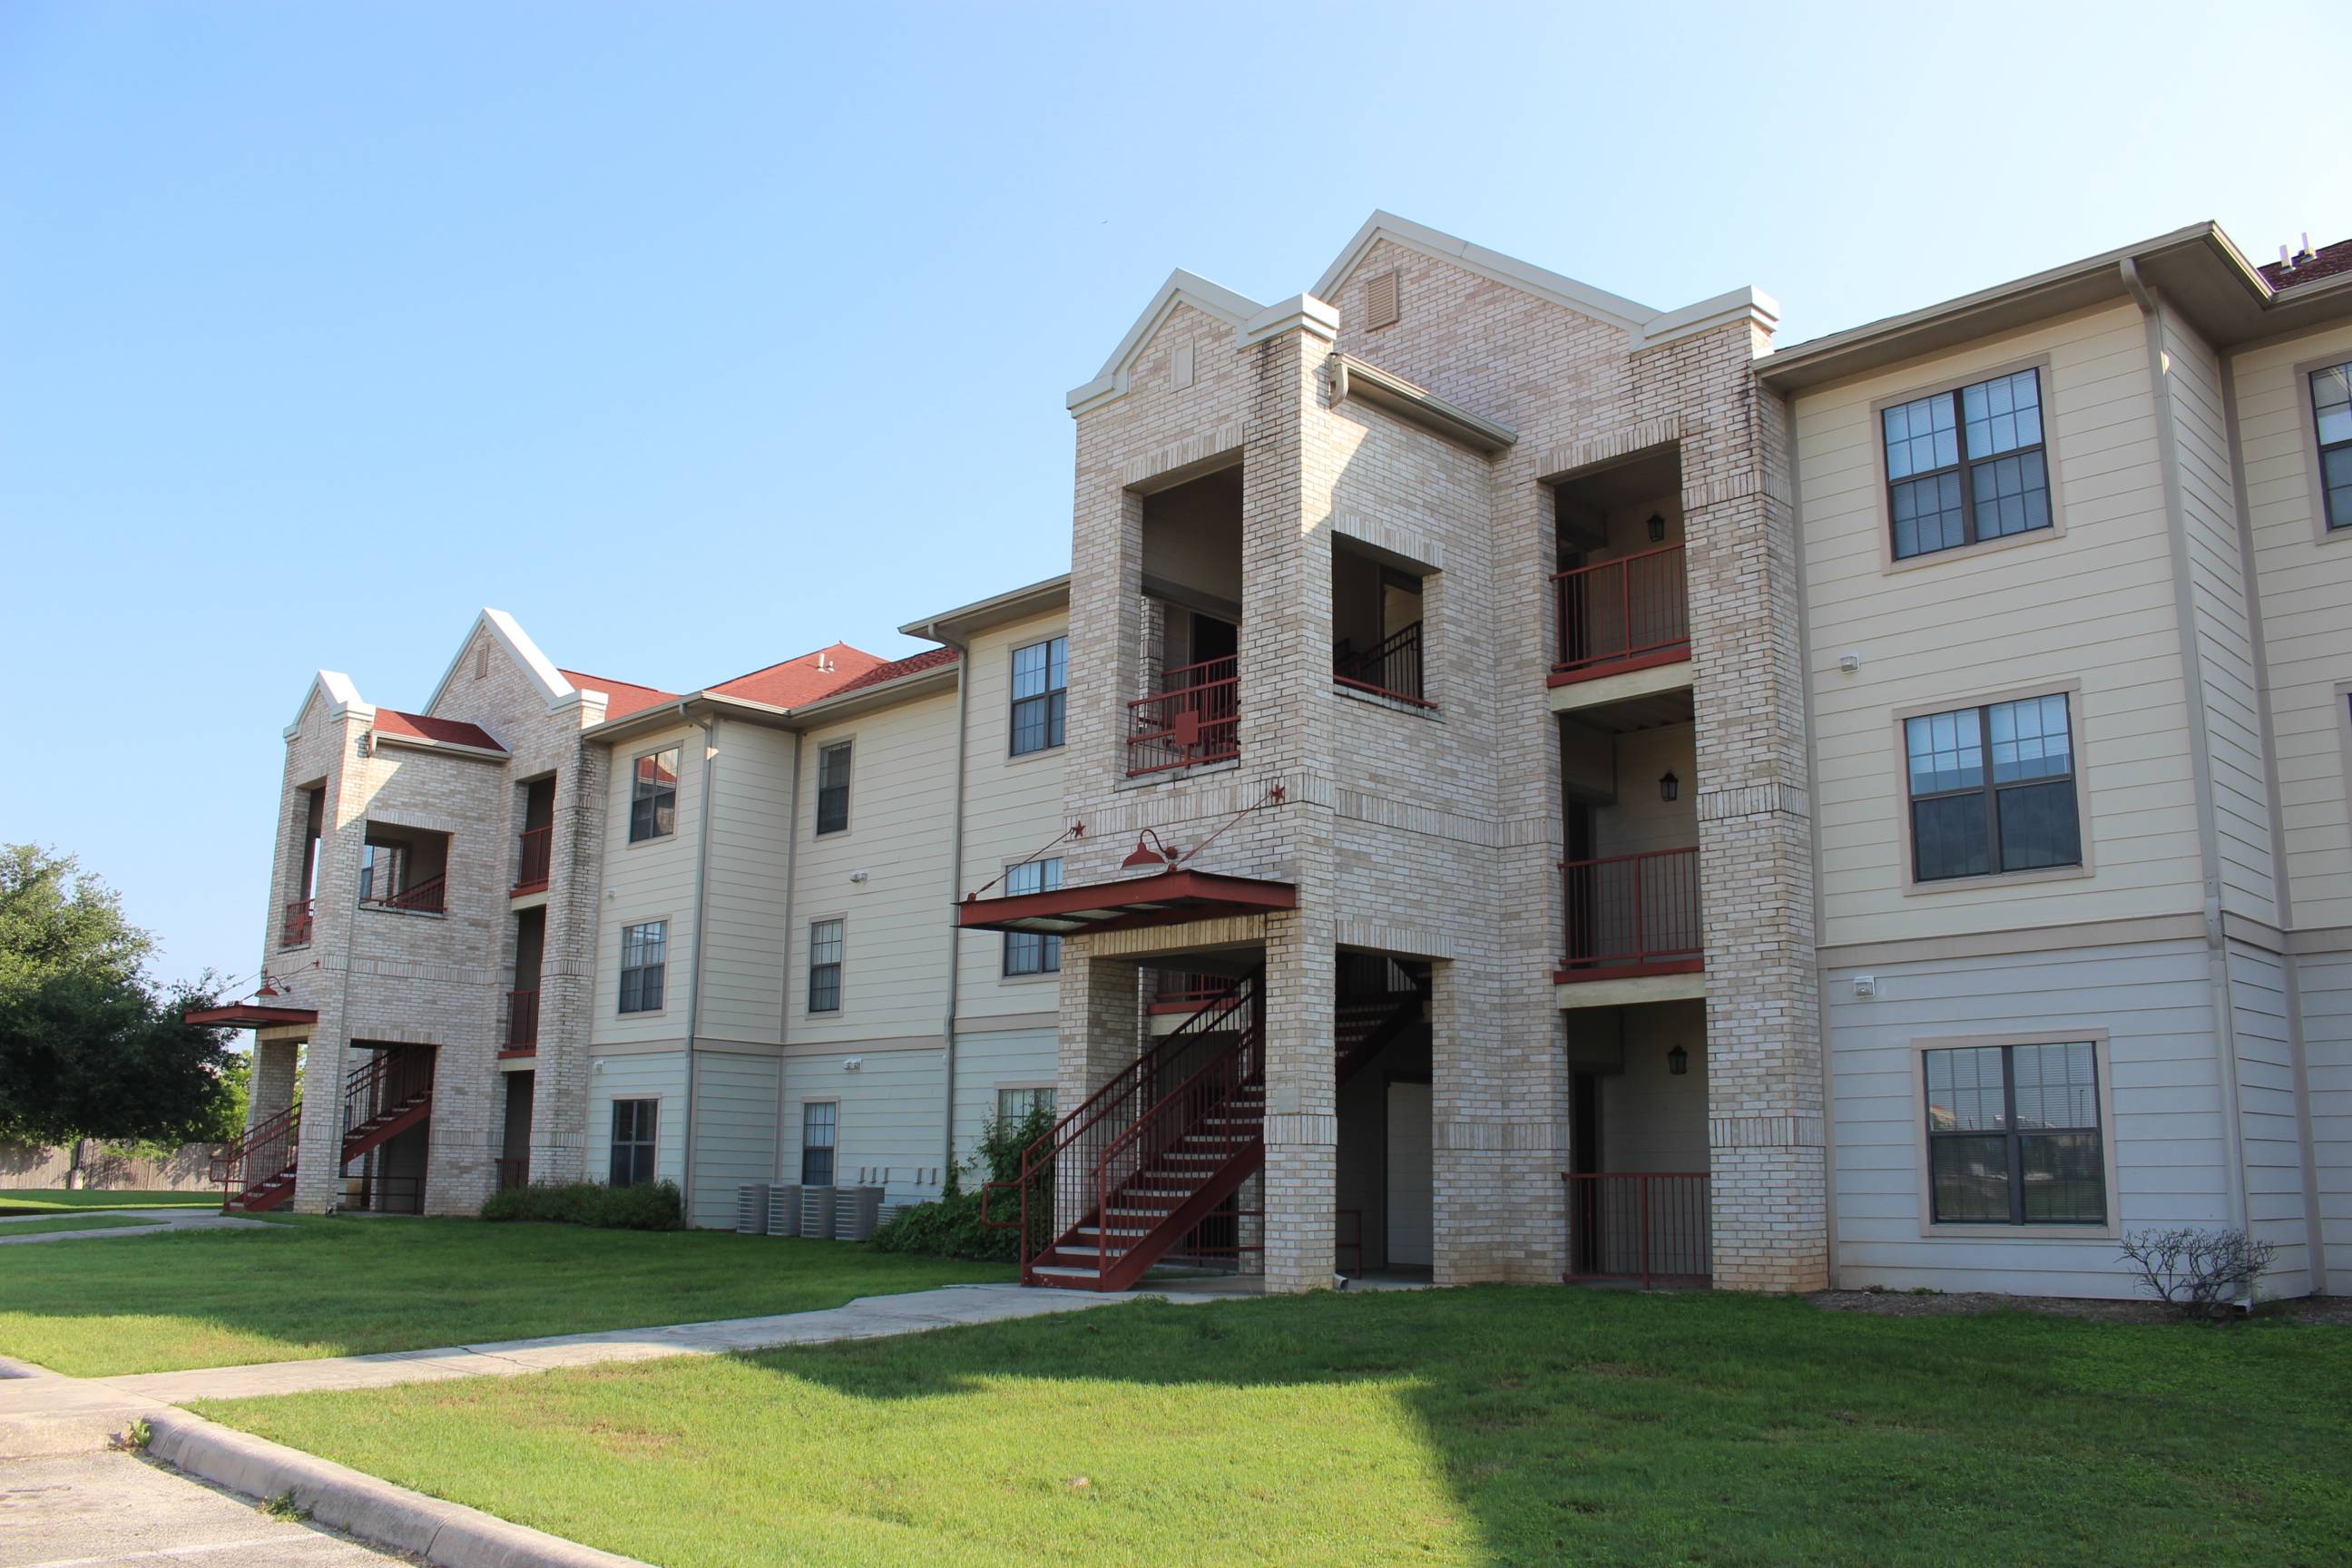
(1380, 300)
(481, 660)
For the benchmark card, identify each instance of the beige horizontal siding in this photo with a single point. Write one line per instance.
(647, 881)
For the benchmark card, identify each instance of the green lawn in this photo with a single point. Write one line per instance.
(308, 1288)
(30, 1200)
(9, 1228)
(1484, 1425)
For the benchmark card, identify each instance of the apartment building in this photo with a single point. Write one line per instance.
(1517, 783)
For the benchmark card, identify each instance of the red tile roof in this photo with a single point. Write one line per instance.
(626, 696)
(423, 727)
(799, 681)
(881, 674)
(2325, 262)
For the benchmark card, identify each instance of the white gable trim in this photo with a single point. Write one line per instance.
(1567, 292)
(1182, 287)
(342, 699)
(519, 646)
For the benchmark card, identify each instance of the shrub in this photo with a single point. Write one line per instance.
(2197, 1272)
(655, 1205)
(949, 1226)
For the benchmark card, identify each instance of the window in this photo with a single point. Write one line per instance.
(833, 788)
(824, 967)
(2013, 1135)
(1968, 465)
(644, 960)
(2331, 411)
(1041, 678)
(378, 862)
(633, 1140)
(653, 796)
(1992, 789)
(1033, 953)
(1015, 1105)
(819, 1121)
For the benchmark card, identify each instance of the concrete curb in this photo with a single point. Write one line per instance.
(376, 1512)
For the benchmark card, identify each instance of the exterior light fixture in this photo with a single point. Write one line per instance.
(1657, 527)
(1678, 1061)
(1669, 787)
(1163, 856)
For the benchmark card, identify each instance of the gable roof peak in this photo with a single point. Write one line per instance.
(1210, 299)
(1583, 297)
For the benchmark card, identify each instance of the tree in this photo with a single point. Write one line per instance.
(90, 1048)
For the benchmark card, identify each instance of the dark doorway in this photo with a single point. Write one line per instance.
(1214, 639)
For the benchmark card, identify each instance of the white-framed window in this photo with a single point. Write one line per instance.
(820, 1127)
(1040, 681)
(1016, 1104)
(1033, 953)
(833, 788)
(634, 1124)
(653, 796)
(825, 966)
(645, 965)
(2331, 415)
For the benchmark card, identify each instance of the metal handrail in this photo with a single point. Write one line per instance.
(1390, 667)
(428, 897)
(298, 923)
(522, 1019)
(270, 1144)
(1194, 717)
(1185, 1111)
(1650, 1226)
(1633, 608)
(1625, 910)
(534, 859)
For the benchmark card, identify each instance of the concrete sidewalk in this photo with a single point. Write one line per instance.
(113, 1510)
(157, 1222)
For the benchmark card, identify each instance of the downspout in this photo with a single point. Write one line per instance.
(955, 888)
(784, 1001)
(694, 981)
(2217, 952)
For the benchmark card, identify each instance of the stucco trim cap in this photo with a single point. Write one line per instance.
(342, 697)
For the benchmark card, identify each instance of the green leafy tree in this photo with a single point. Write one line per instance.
(90, 1048)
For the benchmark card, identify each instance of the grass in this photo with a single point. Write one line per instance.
(1469, 1426)
(29, 1200)
(308, 1288)
(9, 1228)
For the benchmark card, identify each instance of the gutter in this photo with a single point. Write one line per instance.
(955, 932)
(701, 912)
(785, 1003)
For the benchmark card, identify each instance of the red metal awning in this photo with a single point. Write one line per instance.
(1165, 899)
(250, 1015)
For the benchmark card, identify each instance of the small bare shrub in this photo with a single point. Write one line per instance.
(2198, 1273)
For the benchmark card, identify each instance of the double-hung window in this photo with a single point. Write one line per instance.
(2013, 1135)
(633, 1140)
(1041, 680)
(833, 788)
(820, 1123)
(1028, 952)
(824, 967)
(2331, 411)
(1993, 790)
(1966, 465)
(645, 962)
(1016, 1105)
(653, 796)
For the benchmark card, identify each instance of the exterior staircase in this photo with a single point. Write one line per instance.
(382, 1098)
(1129, 1174)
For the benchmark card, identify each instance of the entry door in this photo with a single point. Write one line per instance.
(1412, 1211)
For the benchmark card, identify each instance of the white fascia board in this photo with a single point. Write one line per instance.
(519, 645)
(1181, 288)
(1017, 603)
(1740, 304)
(445, 748)
(1567, 292)
(342, 697)
(1301, 313)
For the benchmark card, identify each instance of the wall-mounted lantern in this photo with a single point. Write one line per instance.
(1657, 527)
(1669, 787)
(1678, 1061)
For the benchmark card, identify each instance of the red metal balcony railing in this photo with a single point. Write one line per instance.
(296, 929)
(1194, 718)
(522, 1020)
(1626, 614)
(428, 896)
(1390, 667)
(1180, 990)
(538, 853)
(1646, 1227)
(1632, 914)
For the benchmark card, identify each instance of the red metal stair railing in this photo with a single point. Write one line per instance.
(257, 1171)
(1056, 1171)
(385, 1097)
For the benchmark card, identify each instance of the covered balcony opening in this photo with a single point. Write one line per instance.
(535, 844)
(404, 868)
(1187, 710)
(1636, 1189)
(1385, 1185)
(1377, 641)
(522, 997)
(1620, 598)
(299, 919)
(1629, 881)
(514, 1147)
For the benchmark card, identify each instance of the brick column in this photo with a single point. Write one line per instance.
(271, 1087)
(1101, 1020)
(1302, 1121)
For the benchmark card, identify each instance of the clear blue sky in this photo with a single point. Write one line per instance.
(697, 335)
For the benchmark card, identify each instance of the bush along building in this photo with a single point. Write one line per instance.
(1517, 783)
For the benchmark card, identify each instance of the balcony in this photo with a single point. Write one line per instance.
(522, 1021)
(1390, 667)
(1631, 613)
(1648, 1227)
(426, 898)
(1194, 718)
(296, 927)
(1186, 991)
(1631, 915)
(537, 854)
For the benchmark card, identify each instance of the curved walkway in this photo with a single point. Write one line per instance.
(156, 1221)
